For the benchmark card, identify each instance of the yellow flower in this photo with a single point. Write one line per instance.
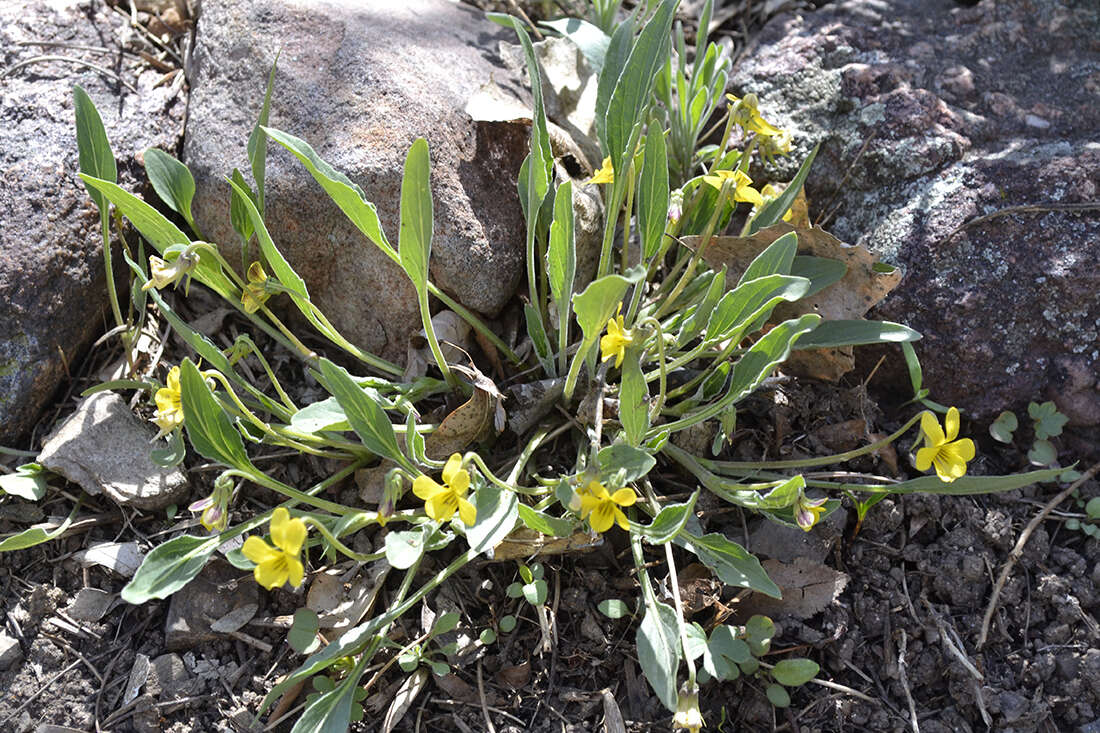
(163, 274)
(941, 450)
(773, 145)
(740, 186)
(606, 174)
(687, 715)
(276, 565)
(255, 291)
(618, 337)
(746, 114)
(441, 502)
(770, 192)
(169, 414)
(601, 508)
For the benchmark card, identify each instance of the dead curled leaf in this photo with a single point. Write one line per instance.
(468, 423)
(863, 286)
(808, 587)
(525, 543)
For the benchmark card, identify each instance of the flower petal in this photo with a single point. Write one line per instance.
(951, 424)
(460, 482)
(272, 574)
(295, 571)
(442, 506)
(930, 426)
(454, 465)
(620, 518)
(603, 517)
(624, 497)
(425, 488)
(467, 512)
(291, 536)
(925, 457)
(258, 551)
(964, 449)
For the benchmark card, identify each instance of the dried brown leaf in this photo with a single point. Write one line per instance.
(808, 587)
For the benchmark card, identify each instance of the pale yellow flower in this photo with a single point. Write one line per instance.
(949, 456)
(255, 291)
(746, 114)
(606, 174)
(441, 502)
(169, 414)
(740, 186)
(276, 565)
(163, 273)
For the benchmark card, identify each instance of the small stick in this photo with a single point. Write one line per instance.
(1026, 209)
(1018, 549)
(69, 59)
(904, 678)
(481, 698)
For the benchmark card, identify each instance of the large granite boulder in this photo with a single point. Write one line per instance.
(360, 81)
(53, 300)
(931, 115)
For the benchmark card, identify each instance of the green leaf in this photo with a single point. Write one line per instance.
(415, 235)
(93, 148)
(169, 567)
(658, 644)
(544, 523)
(535, 593)
(561, 258)
(759, 632)
(507, 623)
(752, 302)
(724, 652)
(446, 622)
(238, 214)
(543, 350)
(1092, 507)
(1048, 421)
(348, 196)
(487, 636)
(598, 302)
(778, 696)
(618, 50)
(331, 711)
(705, 309)
(820, 271)
(634, 87)
(172, 454)
(588, 38)
(622, 457)
(497, 512)
(776, 259)
(856, 333)
(653, 193)
(633, 398)
(668, 522)
(172, 181)
(614, 608)
(404, 549)
(27, 482)
(965, 486)
(209, 428)
(34, 535)
(303, 631)
(732, 563)
(323, 415)
(257, 142)
(162, 234)
(1042, 453)
(1004, 426)
(367, 418)
(795, 672)
(773, 211)
(768, 353)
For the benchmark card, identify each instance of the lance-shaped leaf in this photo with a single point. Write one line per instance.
(597, 303)
(415, 236)
(172, 181)
(561, 261)
(169, 567)
(93, 148)
(658, 644)
(653, 193)
(257, 141)
(367, 418)
(208, 426)
(773, 211)
(633, 398)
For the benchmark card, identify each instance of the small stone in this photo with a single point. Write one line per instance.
(10, 652)
(168, 676)
(1036, 121)
(90, 604)
(105, 448)
(218, 590)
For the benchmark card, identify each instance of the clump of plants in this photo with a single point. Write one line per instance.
(670, 335)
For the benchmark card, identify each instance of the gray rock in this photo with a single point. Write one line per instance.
(105, 448)
(168, 677)
(53, 299)
(217, 591)
(933, 115)
(10, 652)
(360, 82)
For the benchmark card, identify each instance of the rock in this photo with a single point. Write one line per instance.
(10, 652)
(53, 300)
(90, 604)
(105, 448)
(364, 80)
(168, 677)
(931, 115)
(217, 591)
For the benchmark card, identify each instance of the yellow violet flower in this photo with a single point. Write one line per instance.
(164, 273)
(441, 502)
(617, 338)
(169, 414)
(740, 186)
(949, 456)
(255, 293)
(606, 174)
(276, 565)
(773, 145)
(746, 114)
(770, 192)
(601, 508)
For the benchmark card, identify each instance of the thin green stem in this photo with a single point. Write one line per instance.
(662, 369)
(257, 476)
(433, 342)
(340, 546)
(704, 240)
(108, 263)
(624, 261)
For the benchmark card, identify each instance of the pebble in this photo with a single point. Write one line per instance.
(10, 652)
